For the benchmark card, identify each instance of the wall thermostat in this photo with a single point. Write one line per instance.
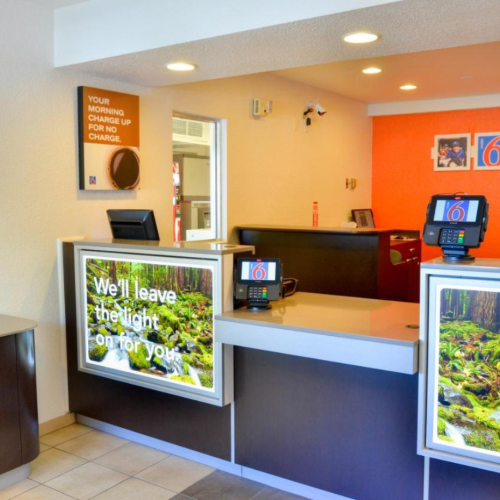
(261, 107)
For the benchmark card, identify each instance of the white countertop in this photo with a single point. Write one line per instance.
(9, 325)
(209, 247)
(362, 332)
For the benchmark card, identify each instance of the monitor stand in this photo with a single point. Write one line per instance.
(456, 255)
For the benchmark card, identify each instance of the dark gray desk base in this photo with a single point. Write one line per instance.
(339, 428)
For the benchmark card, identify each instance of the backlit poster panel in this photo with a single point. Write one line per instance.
(464, 368)
(149, 321)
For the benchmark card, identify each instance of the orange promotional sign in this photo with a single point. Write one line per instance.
(108, 139)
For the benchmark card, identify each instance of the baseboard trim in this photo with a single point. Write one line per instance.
(14, 476)
(202, 458)
(56, 423)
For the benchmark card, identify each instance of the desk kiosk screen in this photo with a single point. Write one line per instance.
(259, 270)
(452, 210)
(456, 223)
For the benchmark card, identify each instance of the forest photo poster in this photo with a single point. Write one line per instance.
(153, 320)
(467, 377)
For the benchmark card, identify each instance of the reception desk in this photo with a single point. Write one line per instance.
(343, 261)
(18, 404)
(373, 334)
(324, 397)
(326, 394)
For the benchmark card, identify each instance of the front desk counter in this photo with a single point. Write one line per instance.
(343, 261)
(325, 391)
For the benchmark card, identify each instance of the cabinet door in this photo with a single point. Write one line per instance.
(10, 436)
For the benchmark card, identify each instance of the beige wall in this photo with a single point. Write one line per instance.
(276, 169)
(40, 200)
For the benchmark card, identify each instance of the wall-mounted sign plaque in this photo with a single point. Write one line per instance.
(108, 132)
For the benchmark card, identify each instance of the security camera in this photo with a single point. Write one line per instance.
(320, 109)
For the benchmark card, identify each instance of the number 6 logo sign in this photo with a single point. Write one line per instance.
(487, 151)
(259, 271)
(456, 213)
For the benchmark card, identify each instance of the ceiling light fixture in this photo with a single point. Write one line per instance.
(408, 87)
(372, 71)
(360, 37)
(180, 66)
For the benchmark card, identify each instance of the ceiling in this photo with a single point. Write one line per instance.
(443, 73)
(407, 28)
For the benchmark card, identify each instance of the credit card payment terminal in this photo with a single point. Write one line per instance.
(258, 281)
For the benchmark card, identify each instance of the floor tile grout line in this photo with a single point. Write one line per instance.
(260, 491)
(59, 491)
(15, 484)
(53, 446)
(62, 474)
(107, 489)
(131, 475)
(137, 479)
(91, 459)
(84, 434)
(158, 485)
(111, 469)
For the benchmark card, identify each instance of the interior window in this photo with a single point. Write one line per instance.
(196, 169)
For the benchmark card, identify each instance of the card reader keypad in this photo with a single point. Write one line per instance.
(452, 237)
(257, 292)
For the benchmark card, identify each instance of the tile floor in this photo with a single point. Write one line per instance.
(77, 462)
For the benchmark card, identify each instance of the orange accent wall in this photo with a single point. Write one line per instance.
(404, 177)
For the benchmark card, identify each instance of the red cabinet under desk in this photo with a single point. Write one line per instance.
(411, 254)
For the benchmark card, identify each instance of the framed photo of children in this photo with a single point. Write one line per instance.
(487, 145)
(452, 152)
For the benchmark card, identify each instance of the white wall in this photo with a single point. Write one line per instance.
(39, 196)
(39, 199)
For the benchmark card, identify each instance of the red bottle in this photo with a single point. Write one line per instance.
(315, 214)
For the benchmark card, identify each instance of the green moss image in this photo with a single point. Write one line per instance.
(178, 347)
(139, 360)
(469, 367)
(98, 352)
(186, 379)
(207, 379)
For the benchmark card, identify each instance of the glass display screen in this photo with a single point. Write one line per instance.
(258, 271)
(152, 321)
(456, 210)
(464, 367)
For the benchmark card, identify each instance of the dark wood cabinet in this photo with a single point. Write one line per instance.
(10, 432)
(334, 261)
(18, 404)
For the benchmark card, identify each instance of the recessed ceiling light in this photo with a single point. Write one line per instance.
(371, 71)
(408, 87)
(360, 37)
(181, 66)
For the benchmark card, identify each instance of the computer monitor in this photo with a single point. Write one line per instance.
(133, 225)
